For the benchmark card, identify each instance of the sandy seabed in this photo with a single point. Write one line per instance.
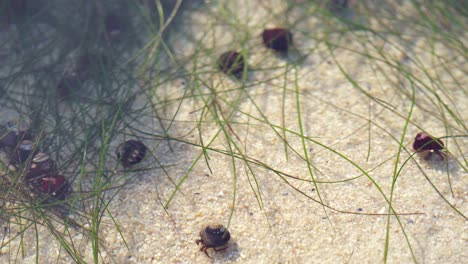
(286, 218)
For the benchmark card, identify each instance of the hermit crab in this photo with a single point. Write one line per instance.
(213, 236)
(278, 39)
(131, 152)
(11, 135)
(338, 5)
(55, 185)
(231, 62)
(426, 145)
(23, 152)
(41, 164)
(113, 25)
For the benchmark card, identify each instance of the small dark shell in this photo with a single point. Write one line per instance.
(131, 152)
(41, 164)
(337, 5)
(113, 25)
(214, 236)
(278, 39)
(231, 62)
(425, 142)
(13, 10)
(68, 85)
(8, 139)
(23, 152)
(86, 63)
(10, 136)
(56, 186)
(40, 158)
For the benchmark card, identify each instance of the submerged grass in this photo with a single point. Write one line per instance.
(343, 105)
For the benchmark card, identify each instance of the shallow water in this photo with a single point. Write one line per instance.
(298, 157)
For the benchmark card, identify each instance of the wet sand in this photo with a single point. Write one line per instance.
(285, 218)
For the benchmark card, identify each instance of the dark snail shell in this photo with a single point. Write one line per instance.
(425, 145)
(40, 165)
(13, 10)
(56, 186)
(8, 139)
(231, 62)
(278, 39)
(82, 64)
(10, 136)
(337, 5)
(22, 152)
(88, 63)
(131, 152)
(113, 25)
(67, 86)
(423, 142)
(215, 236)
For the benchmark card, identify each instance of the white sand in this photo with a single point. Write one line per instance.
(272, 222)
